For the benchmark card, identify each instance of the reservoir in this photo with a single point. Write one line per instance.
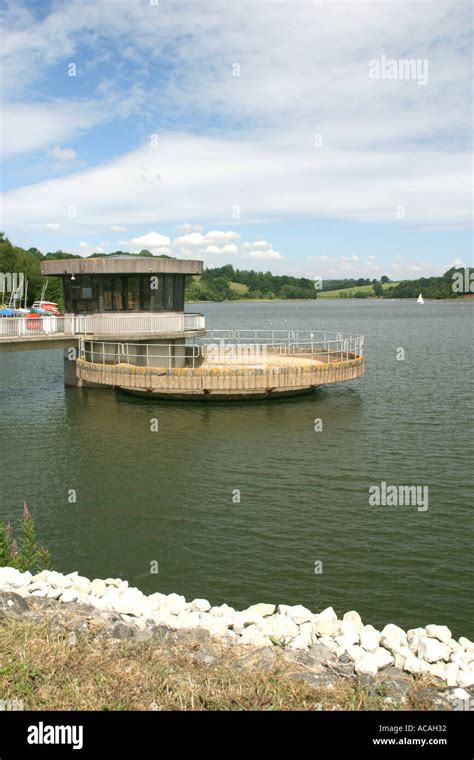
(264, 501)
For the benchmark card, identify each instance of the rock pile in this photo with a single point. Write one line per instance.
(431, 649)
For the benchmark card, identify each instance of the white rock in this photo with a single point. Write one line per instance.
(326, 623)
(439, 670)
(461, 694)
(252, 635)
(80, 583)
(454, 646)
(217, 626)
(238, 623)
(451, 673)
(328, 614)
(156, 600)
(131, 602)
(393, 637)
(304, 639)
(263, 610)
(440, 632)
(200, 605)
(40, 592)
(58, 580)
(414, 635)
(347, 640)
(414, 665)
(98, 587)
(297, 613)
(369, 638)
(366, 665)
(462, 659)
(246, 617)
(54, 593)
(383, 658)
(465, 680)
(100, 602)
(354, 619)
(466, 644)
(188, 620)
(328, 642)
(113, 582)
(174, 604)
(432, 650)
(37, 586)
(400, 656)
(356, 652)
(223, 610)
(69, 595)
(348, 628)
(10, 576)
(44, 575)
(280, 627)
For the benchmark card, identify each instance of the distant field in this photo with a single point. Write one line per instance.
(238, 287)
(356, 289)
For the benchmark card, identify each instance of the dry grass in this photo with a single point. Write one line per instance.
(46, 672)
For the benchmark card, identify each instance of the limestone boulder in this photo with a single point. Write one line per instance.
(440, 632)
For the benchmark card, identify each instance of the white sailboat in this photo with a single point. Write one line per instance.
(420, 299)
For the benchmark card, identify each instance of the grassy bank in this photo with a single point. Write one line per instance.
(50, 670)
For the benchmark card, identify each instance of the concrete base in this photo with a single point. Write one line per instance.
(201, 396)
(70, 377)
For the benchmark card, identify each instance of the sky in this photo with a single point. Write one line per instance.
(315, 138)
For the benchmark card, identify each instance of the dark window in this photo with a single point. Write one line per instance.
(113, 293)
(145, 293)
(86, 288)
(169, 287)
(133, 293)
(179, 292)
(156, 289)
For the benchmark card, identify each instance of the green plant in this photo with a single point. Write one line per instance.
(24, 554)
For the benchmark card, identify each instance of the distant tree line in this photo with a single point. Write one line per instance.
(226, 283)
(217, 285)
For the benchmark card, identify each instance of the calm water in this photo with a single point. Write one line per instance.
(167, 496)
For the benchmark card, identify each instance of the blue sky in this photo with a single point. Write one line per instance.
(243, 133)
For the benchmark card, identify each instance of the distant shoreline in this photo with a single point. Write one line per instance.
(464, 297)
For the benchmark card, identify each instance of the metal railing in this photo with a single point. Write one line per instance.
(100, 324)
(236, 347)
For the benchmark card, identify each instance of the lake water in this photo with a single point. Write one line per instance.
(166, 496)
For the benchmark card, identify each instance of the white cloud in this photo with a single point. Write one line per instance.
(216, 236)
(118, 228)
(83, 245)
(212, 249)
(260, 244)
(271, 254)
(62, 154)
(229, 248)
(193, 238)
(52, 226)
(152, 241)
(362, 172)
(189, 227)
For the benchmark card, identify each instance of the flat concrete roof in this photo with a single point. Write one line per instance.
(120, 265)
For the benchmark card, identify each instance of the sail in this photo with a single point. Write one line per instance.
(420, 299)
